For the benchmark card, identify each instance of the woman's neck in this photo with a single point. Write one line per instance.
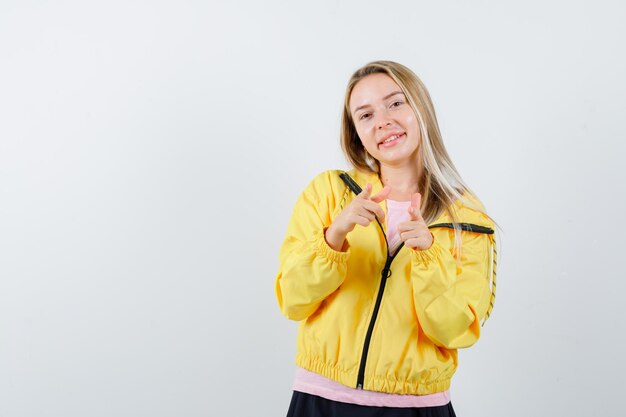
(403, 181)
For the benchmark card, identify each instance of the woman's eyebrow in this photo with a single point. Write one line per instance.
(392, 94)
(384, 98)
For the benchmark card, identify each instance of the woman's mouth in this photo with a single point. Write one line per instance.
(391, 140)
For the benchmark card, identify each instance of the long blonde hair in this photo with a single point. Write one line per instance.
(440, 183)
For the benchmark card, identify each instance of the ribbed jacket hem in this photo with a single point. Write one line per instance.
(386, 384)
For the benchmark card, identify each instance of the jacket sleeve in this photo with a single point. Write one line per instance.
(309, 269)
(451, 299)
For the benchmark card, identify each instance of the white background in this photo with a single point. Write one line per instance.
(151, 153)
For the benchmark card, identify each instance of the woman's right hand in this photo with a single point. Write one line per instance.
(362, 210)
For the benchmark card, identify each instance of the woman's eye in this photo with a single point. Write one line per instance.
(396, 103)
(364, 116)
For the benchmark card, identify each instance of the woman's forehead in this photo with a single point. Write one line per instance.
(373, 88)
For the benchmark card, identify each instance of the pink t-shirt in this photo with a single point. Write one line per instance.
(315, 384)
(397, 212)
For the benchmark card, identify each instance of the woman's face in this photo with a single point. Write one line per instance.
(384, 121)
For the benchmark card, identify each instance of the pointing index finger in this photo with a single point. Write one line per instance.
(365, 193)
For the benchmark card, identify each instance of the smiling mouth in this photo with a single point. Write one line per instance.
(391, 139)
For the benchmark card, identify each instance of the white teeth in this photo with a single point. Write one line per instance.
(389, 139)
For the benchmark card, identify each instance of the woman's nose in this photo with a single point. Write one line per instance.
(383, 119)
(384, 122)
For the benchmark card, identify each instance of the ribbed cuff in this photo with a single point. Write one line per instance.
(427, 256)
(329, 253)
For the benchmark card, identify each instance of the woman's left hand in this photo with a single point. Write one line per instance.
(415, 233)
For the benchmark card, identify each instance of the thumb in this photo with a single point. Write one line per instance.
(382, 195)
(414, 210)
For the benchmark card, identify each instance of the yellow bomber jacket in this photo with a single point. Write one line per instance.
(369, 323)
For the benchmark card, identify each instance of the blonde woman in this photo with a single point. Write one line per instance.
(390, 267)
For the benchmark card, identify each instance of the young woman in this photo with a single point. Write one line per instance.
(389, 268)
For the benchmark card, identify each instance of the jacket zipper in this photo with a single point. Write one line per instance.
(386, 273)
